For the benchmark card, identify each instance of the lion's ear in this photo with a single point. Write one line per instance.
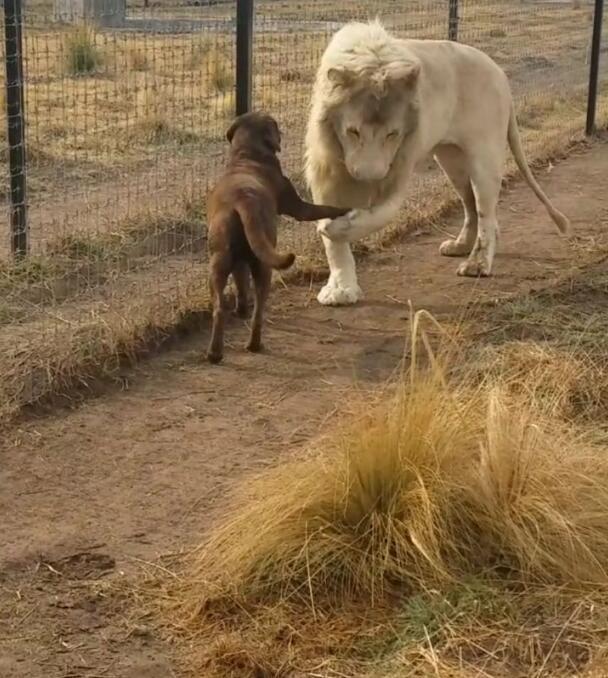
(403, 72)
(340, 76)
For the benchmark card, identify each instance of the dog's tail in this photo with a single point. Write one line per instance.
(514, 139)
(255, 217)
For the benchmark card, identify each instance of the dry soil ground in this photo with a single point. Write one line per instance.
(92, 491)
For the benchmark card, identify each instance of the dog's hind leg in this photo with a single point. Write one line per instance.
(262, 277)
(240, 274)
(220, 270)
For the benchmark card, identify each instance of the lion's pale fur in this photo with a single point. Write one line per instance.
(363, 51)
(453, 102)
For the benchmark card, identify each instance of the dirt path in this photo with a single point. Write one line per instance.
(129, 475)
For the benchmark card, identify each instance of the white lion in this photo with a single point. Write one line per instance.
(379, 106)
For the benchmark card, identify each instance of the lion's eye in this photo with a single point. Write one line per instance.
(392, 135)
(353, 132)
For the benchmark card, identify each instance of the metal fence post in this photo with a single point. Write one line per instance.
(244, 55)
(594, 66)
(453, 20)
(15, 120)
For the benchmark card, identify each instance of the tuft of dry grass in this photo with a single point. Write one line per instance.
(570, 384)
(218, 71)
(215, 68)
(434, 528)
(137, 58)
(552, 345)
(153, 123)
(80, 51)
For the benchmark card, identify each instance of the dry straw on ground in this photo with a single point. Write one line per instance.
(449, 524)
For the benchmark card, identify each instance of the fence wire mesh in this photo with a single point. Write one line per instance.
(126, 107)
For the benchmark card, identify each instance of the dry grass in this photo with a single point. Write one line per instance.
(153, 124)
(448, 526)
(96, 344)
(137, 58)
(82, 57)
(572, 384)
(97, 324)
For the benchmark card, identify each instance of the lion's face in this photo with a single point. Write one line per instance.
(378, 108)
(371, 130)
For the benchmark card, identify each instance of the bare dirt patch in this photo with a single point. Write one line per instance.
(90, 492)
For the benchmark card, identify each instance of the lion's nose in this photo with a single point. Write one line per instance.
(368, 172)
(356, 172)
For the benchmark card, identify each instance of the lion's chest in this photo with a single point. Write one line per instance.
(359, 194)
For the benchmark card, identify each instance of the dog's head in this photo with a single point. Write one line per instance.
(255, 129)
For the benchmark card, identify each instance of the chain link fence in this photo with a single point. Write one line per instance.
(125, 106)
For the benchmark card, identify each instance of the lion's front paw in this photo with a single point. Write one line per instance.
(338, 229)
(333, 294)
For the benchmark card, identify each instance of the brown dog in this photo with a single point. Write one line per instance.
(242, 212)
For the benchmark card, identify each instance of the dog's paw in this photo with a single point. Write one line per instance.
(337, 295)
(338, 229)
(214, 358)
(241, 311)
(254, 346)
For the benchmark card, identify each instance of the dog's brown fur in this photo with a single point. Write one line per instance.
(242, 213)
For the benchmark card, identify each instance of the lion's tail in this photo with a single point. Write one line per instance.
(560, 219)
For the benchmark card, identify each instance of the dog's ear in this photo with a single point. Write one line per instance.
(232, 129)
(272, 136)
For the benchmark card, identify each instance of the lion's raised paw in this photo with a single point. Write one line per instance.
(338, 229)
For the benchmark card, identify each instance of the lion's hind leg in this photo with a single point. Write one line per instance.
(486, 179)
(453, 162)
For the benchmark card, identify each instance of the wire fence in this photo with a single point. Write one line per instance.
(125, 107)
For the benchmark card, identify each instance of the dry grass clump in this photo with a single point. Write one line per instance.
(446, 515)
(552, 346)
(562, 382)
(217, 70)
(213, 65)
(153, 124)
(80, 51)
(137, 58)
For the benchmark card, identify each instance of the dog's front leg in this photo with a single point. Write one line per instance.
(359, 223)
